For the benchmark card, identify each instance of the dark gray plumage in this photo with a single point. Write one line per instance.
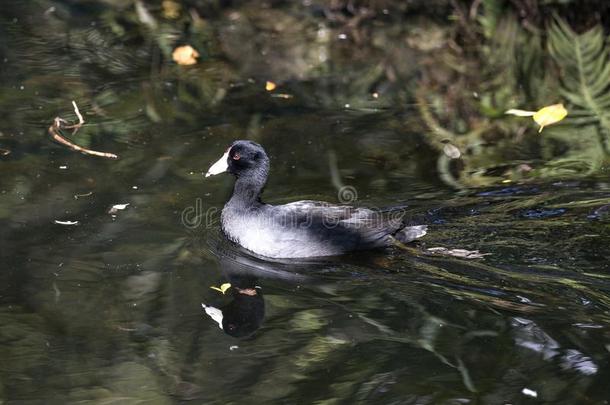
(302, 228)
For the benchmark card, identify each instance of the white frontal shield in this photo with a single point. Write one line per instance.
(220, 166)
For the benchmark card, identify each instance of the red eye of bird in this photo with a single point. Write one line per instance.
(236, 156)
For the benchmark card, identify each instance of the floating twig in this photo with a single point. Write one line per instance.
(77, 196)
(59, 124)
(68, 223)
(81, 121)
(462, 253)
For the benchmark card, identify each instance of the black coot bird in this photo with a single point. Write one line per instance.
(302, 228)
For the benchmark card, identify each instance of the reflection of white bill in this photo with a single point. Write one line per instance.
(214, 313)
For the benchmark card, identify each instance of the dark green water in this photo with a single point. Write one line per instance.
(109, 310)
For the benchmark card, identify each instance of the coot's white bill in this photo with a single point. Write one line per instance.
(220, 166)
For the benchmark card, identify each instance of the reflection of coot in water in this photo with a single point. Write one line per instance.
(245, 313)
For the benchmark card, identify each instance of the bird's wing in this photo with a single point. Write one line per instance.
(363, 224)
(324, 211)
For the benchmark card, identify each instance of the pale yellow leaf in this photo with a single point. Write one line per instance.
(171, 9)
(270, 86)
(185, 55)
(223, 288)
(550, 115)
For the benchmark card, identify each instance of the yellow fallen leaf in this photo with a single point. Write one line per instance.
(550, 115)
(545, 116)
(171, 9)
(223, 288)
(185, 55)
(270, 86)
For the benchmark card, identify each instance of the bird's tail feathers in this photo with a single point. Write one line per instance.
(410, 233)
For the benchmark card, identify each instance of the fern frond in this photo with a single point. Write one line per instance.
(583, 157)
(584, 62)
(493, 10)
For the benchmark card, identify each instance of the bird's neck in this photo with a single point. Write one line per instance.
(248, 189)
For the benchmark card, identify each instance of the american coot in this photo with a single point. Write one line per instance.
(302, 228)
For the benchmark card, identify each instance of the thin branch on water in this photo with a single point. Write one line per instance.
(59, 124)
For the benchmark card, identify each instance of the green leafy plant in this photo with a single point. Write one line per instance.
(584, 65)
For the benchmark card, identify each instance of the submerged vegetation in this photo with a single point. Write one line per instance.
(463, 64)
(538, 66)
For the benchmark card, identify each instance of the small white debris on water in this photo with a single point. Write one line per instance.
(66, 223)
(529, 393)
(451, 151)
(64, 167)
(234, 347)
(117, 207)
(134, 187)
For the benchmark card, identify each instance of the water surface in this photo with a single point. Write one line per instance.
(109, 310)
